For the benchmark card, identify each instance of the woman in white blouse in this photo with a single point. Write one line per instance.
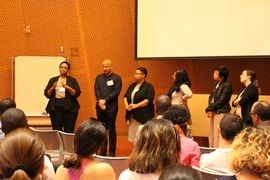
(180, 90)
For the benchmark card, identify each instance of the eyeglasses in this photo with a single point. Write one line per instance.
(63, 67)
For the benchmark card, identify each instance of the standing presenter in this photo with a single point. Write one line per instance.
(108, 86)
(62, 92)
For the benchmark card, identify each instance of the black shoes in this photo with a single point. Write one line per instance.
(112, 154)
(102, 153)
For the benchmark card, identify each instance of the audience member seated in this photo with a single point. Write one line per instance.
(22, 155)
(190, 152)
(216, 161)
(88, 139)
(14, 118)
(260, 114)
(249, 158)
(157, 146)
(5, 104)
(179, 172)
(163, 102)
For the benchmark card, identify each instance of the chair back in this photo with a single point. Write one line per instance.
(53, 143)
(205, 150)
(209, 175)
(119, 164)
(68, 143)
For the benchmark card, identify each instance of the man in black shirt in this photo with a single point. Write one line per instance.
(107, 89)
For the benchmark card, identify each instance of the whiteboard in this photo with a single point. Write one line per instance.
(30, 77)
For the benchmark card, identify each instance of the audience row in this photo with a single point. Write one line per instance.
(160, 145)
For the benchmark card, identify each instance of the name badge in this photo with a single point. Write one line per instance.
(110, 83)
(61, 89)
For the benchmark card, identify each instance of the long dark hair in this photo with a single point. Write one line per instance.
(181, 77)
(89, 137)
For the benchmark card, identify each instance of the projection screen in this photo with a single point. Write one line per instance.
(199, 29)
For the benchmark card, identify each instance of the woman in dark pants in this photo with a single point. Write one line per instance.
(63, 105)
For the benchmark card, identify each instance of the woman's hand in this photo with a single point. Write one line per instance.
(128, 108)
(236, 102)
(133, 106)
(183, 101)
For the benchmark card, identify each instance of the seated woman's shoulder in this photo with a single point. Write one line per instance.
(100, 170)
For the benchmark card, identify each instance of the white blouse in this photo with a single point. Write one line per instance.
(184, 93)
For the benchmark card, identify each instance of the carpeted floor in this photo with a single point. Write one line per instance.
(123, 146)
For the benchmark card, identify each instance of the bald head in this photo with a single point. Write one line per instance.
(107, 67)
(163, 102)
(13, 118)
(261, 109)
(107, 62)
(5, 104)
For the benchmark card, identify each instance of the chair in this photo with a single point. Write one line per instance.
(53, 143)
(68, 143)
(205, 150)
(208, 175)
(119, 164)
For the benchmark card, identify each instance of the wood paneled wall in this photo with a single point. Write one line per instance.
(91, 31)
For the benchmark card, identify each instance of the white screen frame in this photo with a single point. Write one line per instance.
(202, 29)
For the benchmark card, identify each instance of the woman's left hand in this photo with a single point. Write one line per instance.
(133, 106)
(183, 101)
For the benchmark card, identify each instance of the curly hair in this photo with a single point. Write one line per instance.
(251, 150)
(157, 147)
(177, 114)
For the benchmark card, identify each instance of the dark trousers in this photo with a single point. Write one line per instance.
(61, 118)
(109, 119)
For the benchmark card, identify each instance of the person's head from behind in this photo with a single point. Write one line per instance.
(221, 73)
(88, 138)
(230, 125)
(181, 77)
(177, 114)
(163, 102)
(5, 104)
(13, 118)
(250, 151)
(260, 111)
(22, 155)
(179, 172)
(157, 146)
